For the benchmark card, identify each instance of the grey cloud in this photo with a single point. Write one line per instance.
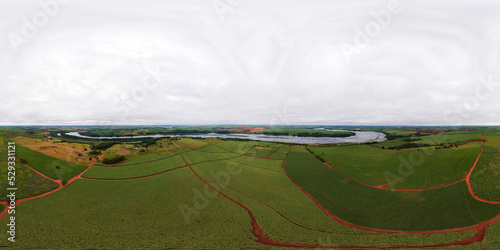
(177, 62)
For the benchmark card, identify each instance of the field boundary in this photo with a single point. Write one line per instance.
(258, 232)
(467, 179)
(133, 178)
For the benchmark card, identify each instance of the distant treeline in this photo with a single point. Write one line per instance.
(314, 134)
(172, 132)
(406, 136)
(410, 145)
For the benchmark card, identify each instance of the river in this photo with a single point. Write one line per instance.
(359, 137)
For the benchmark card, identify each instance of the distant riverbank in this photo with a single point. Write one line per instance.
(358, 137)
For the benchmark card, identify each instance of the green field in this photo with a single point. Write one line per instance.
(158, 198)
(450, 137)
(449, 207)
(131, 214)
(28, 182)
(289, 216)
(239, 147)
(485, 177)
(49, 166)
(364, 163)
(135, 170)
(257, 152)
(441, 168)
(210, 153)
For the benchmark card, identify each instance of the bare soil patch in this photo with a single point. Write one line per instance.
(123, 152)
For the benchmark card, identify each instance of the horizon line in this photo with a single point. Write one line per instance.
(262, 125)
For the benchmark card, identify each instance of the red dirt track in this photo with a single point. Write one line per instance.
(467, 179)
(258, 232)
(56, 181)
(17, 202)
(391, 189)
(133, 178)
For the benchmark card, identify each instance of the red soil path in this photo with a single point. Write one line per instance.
(467, 179)
(17, 202)
(261, 238)
(266, 204)
(381, 230)
(391, 189)
(245, 154)
(246, 164)
(138, 163)
(56, 181)
(273, 152)
(395, 189)
(132, 178)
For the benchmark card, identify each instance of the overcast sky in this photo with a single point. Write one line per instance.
(262, 62)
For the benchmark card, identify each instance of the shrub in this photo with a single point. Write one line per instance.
(113, 160)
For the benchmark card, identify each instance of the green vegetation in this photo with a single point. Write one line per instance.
(449, 207)
(280, 154)
(259, 152)
(113, 160)
(364, 163)
(440, 168)
(143, 213)
(28, 182)
(491, 239)
(306, 132)
(451, 137)
(155, 200)
(210, 153)
(135, 170)
(283, 210)
(49, 166)
(239, 147)
(484, 178)
(144, 159)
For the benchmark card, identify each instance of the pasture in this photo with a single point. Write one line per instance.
(265, 192)
(52, 167)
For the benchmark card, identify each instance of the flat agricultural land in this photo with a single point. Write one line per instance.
(214, 193)
(70, 152)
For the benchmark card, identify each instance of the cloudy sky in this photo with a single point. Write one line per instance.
(266, 62)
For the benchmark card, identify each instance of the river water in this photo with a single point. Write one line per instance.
(359, 137)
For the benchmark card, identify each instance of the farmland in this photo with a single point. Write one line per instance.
(54, 168)
(484, 179)
(30, 183)
(75, 153)
(214, 193)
